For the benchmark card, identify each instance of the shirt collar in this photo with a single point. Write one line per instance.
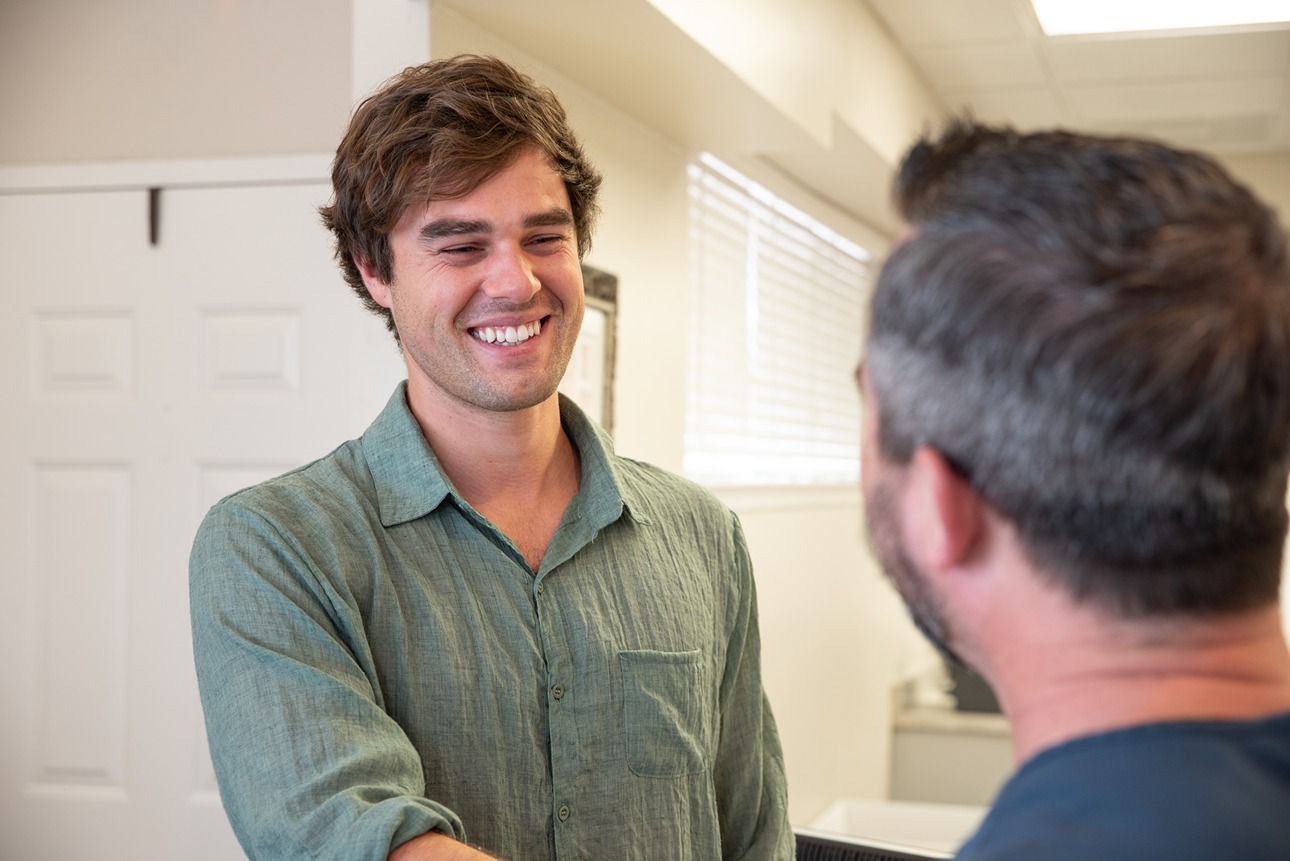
(410, 481)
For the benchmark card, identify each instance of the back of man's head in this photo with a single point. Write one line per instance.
(1096, 333)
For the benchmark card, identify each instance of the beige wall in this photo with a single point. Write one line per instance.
(1268, 175)
(818, 62)
(85, 80)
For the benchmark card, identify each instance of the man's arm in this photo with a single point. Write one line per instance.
(309, 763)
(751, 787)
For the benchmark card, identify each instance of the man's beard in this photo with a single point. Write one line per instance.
(885, 537)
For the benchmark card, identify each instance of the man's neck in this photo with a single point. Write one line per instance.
(519, 469)
(1087, 675)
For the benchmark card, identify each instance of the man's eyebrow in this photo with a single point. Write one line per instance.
(557, 217)
(446, 227)
(453, 227)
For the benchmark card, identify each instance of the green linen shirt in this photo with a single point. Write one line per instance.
(376, 660)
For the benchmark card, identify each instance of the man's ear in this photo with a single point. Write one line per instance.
(943, 509)
(376, 287)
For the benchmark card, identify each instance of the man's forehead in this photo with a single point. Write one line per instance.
(528, 186)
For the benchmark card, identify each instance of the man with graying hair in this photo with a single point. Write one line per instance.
(1076, 446)
(475, 631)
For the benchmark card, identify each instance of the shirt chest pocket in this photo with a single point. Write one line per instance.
(667, 713)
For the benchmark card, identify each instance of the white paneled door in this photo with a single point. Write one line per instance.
(157, 350)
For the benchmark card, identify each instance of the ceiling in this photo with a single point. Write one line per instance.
(1223, 91)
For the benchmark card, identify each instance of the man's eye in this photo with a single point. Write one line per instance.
(459, 249)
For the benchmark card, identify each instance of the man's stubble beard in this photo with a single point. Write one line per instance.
(885, 534)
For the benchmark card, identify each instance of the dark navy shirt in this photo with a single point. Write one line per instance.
(1208, 791)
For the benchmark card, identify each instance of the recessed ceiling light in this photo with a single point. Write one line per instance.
(1069, 17)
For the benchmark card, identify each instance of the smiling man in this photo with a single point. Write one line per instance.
(475, 631)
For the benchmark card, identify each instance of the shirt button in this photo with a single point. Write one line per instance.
(557, 691)
(539, 588)
(563, 813)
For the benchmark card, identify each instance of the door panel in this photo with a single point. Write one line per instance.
(141, 383)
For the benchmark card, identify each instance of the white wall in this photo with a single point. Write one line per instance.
(835, 640)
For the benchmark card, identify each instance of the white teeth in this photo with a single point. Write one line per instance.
(508, 334)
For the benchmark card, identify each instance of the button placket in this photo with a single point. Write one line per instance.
(561, 724)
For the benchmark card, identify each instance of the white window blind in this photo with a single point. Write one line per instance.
(774, 338)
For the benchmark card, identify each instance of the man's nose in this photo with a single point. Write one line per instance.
(511, 275)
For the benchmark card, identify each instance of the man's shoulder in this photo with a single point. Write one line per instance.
(310, 524)
(337, 482)
(1167, 744)
(654, 486)
(1128, 789)
(648, 473)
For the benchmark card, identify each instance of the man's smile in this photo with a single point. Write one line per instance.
(507, 335)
